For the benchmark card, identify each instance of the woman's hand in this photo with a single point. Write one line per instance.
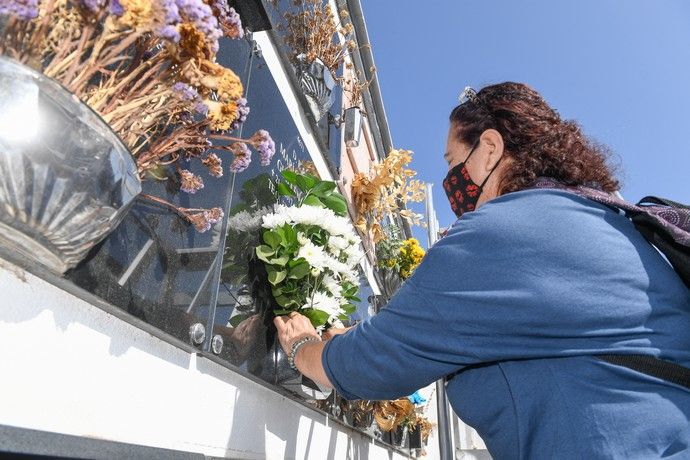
(293, 327)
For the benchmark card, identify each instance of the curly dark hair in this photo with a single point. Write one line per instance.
(535, 137)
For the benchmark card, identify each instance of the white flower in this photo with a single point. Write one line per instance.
(337, 244)
(302, 239)
(354, 255)
(275, 220)
(332, 285)
(325, 303)
(313, 254)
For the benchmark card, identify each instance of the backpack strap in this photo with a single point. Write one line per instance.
(655, 367)
(662, 201)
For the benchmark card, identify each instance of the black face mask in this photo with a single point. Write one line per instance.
(463, 194)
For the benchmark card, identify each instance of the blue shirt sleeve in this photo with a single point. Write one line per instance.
(512, 280)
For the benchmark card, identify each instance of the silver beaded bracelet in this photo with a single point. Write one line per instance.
(296, 346)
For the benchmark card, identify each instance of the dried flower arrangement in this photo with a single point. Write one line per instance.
(391, 414)
(354, 85)
(148, 68)
(382, 192)
(311, 29)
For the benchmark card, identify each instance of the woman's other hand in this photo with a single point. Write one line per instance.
(293, 327)
(333, 331)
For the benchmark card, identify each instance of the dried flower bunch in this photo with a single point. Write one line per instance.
(148, 68)
(355, 84)
(312, 29)
(382, 192)
(389, 415)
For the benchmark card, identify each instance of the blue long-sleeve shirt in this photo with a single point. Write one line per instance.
(530, 287)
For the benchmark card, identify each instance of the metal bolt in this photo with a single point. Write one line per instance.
(217, 344)
(197, 333)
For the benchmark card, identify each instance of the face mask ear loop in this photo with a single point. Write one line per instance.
(481, 187)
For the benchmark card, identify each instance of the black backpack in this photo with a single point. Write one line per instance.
(666, 225)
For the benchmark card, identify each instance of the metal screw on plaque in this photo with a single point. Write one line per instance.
(217, 344)
(197, 333)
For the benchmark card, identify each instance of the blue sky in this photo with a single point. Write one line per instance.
(620, 68)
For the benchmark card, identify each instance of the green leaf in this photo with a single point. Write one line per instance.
(282, 300)
(290, 236)
(275, 276)
(311, 200)
(237, 319)
(264, 252)
(306, 182)
(349, 309)
(280, 261)
(284, 189)
(272, 238)
(354, 299)
(317, 317)
(281, 312)
(290, 176)
(323, 188)
(336, 203)
(300, 271)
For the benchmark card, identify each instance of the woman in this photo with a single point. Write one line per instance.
(517, 300)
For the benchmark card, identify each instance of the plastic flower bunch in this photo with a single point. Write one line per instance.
(148, 68)
(410, 256)
(310, 252)
(388, 186)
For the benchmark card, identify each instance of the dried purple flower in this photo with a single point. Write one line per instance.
(214, 165)
(92, 6)
(201, 108)
(201, 16)
(242, 113)
(190, 182)
(24, 10)
(185, 92)
(243, 157)
(169, 32)
(228, 19)
(116, 8)
(263, 143)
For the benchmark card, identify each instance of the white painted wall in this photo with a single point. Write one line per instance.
(72, 368)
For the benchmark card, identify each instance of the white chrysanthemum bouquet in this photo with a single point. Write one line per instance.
(311, 252)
